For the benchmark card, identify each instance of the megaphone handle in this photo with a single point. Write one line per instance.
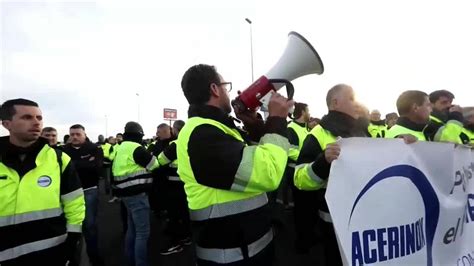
(290, 90)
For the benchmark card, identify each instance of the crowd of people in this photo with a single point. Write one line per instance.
(214, 180)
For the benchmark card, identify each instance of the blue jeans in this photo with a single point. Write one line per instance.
(138, 231)
(89, 226)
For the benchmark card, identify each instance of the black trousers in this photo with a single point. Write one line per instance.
(179, 226)
(305, 214)
(331, 249)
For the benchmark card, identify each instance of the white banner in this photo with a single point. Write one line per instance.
(399, 204)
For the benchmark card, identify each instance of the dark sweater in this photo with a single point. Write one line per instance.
(87, 160)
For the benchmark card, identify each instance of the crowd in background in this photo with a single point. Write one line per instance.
(203, 175)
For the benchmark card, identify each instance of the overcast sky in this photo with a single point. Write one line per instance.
(85, 61)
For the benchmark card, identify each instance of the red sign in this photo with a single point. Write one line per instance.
(170, 114)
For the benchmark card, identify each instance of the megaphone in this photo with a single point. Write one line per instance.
(299, 59)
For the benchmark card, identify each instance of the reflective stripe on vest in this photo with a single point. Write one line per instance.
(325, 216)
(436, 120)
(35, 198)
(126, 172)
(131, 175)
(139, 181)
(24, 249)
(304, 177)
(199, 196)
(174, 178)
(230, 255)
(72, 195)
(30, 216)
(229, 208)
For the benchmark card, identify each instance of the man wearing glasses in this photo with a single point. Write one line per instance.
(226, 179)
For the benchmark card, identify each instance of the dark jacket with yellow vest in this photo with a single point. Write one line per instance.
(296, 134)
(132, 168)
(312, 169)
(107, 150)
(226, 180)
(41, 202)
(445, 127)
(377, 129)
(406, 126)
(168, 161)
(467, 135)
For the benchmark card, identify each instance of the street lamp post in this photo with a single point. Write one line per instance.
(106, 126)
(138, 107)
(251, 46)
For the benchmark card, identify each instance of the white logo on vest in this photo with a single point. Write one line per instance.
(44, 181)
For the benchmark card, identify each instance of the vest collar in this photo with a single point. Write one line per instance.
(299, 124)
(211, 112)
(405, 122)
(7, 148)
(340, 124)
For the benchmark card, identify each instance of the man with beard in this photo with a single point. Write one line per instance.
(226, 178)
(467, 136)
(446, 120)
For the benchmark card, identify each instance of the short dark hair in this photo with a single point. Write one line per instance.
(77, 126)
(299, 109)
(119, 134)
(435, 95)
(65, 138)
(163, 125)
(7, 109)
(48, 129)
(391, 115)
(179, 124)
(406, 100)
(196, 83)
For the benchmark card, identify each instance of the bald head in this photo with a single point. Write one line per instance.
(341, 98)
(163, 131)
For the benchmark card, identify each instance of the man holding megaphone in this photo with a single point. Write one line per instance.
(226, 178)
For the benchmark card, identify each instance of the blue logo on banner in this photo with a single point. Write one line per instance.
(401, 239)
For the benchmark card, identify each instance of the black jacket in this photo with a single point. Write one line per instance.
(23, 160)
(433, 126)
(215, 158)
(88, 160)
(340, 125)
